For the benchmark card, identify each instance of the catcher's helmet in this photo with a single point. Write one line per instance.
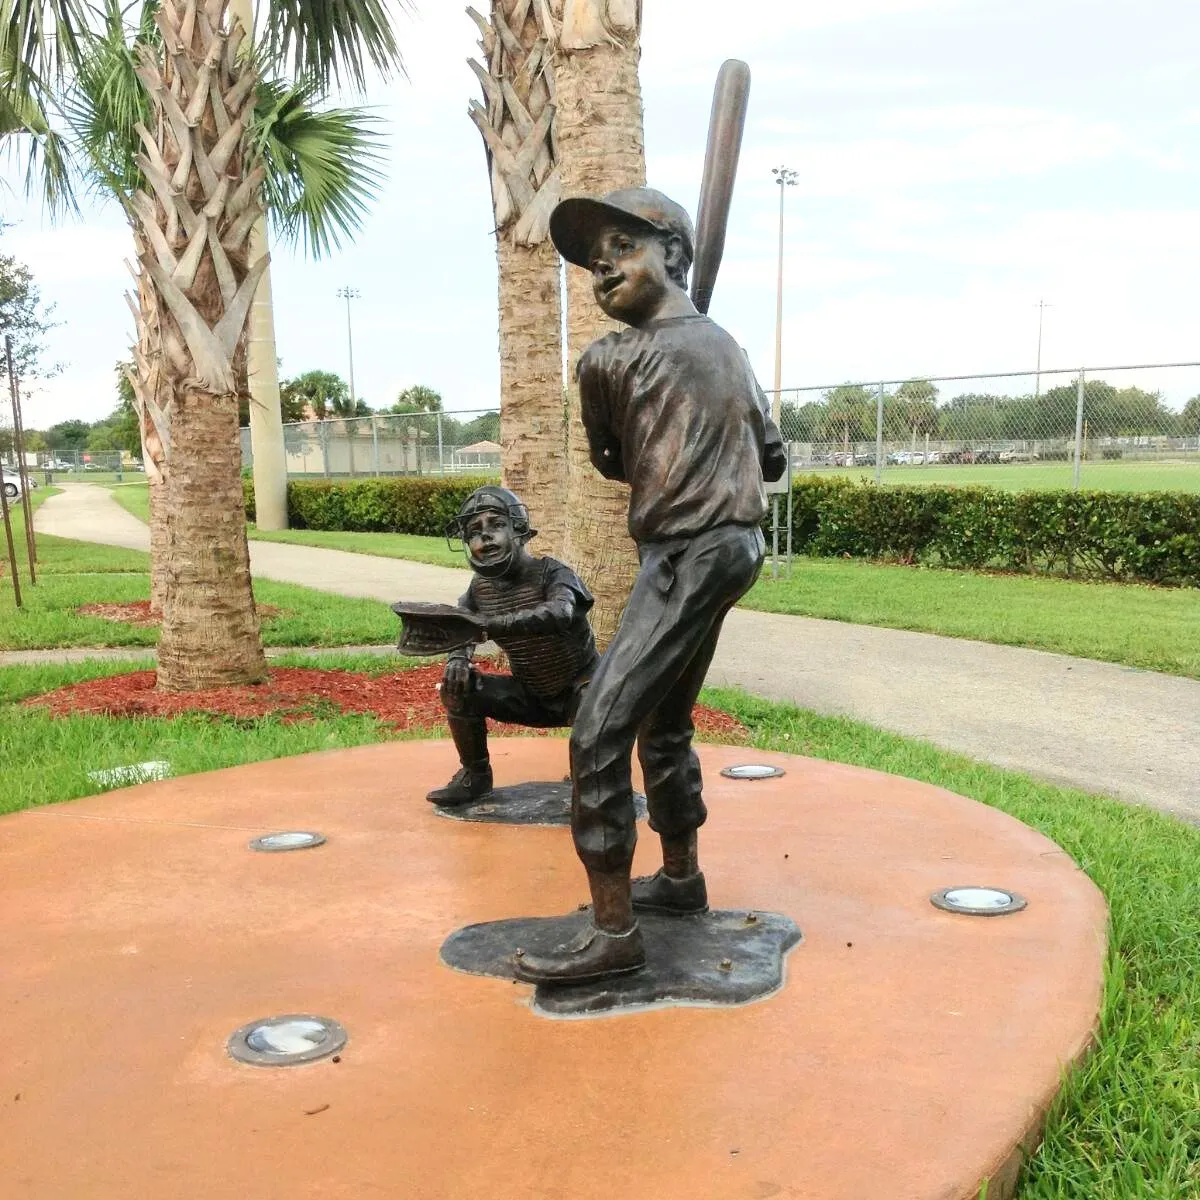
(491, 498)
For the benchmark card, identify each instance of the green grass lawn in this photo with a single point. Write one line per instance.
(103, 477)
(1154, 628)
(1017, 477)
(72, 574)
(135, 498)
(46, 759)
(1128, 1122)
(388, 545)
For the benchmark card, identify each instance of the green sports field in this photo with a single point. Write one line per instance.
(1017, 477)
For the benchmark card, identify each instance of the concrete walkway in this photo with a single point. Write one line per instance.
(1096, 726)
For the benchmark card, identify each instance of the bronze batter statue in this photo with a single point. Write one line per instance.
(671, 406)
(535, 610)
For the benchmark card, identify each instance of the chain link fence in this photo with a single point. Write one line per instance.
(426, 443)
(44, 466)
(1131, 428)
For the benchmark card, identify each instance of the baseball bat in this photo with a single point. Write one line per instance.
(730, 98)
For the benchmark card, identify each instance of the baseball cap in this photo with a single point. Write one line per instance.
(575, 222)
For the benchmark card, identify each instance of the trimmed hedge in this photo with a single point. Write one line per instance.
(421, 504)
(1153, 537)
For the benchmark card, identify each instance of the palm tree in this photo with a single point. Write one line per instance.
(517, 124)
(601, 146)
(199, 192)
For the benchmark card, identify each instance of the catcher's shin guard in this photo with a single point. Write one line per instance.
(470, 740)
(475, 778)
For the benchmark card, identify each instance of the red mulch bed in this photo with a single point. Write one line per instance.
(400, 699)
(137, 612)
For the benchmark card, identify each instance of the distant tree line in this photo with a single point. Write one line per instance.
(847, 414)
(324, 396)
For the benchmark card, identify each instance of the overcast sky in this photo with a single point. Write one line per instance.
(957, 160)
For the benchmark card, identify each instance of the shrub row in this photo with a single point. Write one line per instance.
(420, 504)
(1153, 537)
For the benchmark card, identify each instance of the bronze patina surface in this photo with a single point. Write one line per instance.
(671, 407)
(534, 609)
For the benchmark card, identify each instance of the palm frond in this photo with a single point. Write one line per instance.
(106, 101)
(323, 166)
(333, 41)
(39, 40)
(43, 155)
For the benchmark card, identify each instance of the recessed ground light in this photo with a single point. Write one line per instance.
(978, 901)
(287, 1040)
(752, 771)
(287, 840)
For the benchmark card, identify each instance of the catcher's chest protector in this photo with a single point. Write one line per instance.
(546, 664)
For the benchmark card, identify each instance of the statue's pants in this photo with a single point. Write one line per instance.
(506, 698)
(645, 687)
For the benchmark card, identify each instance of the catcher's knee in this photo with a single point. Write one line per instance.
(457, 706)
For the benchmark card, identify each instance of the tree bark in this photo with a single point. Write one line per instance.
(195, 212)
(152, 401)
(160, 554)
(599, 122)
(533, 422)
(516, 121)
(210, 632)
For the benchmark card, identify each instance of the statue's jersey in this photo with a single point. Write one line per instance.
(548, 652)
(673, 408)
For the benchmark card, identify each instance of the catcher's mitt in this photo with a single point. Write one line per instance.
(435, 628)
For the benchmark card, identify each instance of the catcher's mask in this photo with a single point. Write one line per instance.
(491, 498)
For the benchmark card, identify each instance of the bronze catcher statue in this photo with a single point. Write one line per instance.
(534, 609)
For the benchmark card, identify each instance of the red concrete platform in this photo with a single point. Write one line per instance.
(908, 1053)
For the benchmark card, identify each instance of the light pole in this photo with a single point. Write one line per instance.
(348, 294)
(1041, 307)
(785, 177)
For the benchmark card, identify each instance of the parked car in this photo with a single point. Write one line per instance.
(12, 484)
(965, 455)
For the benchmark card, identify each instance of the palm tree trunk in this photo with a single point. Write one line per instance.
(159, 549)
(533, 429)
(152, 401)
(599, 123)
(196, 211)
(210, 633)
(517, 124)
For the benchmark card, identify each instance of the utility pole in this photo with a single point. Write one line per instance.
(785, 177)
(1041, 307)
(348, 294)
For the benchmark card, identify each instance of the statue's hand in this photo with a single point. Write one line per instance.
(456, 682)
